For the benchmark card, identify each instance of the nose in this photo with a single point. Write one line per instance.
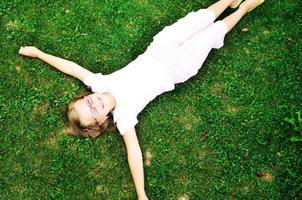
(101, 102)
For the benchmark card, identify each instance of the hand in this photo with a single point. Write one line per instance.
(29, 51)
(143, 198)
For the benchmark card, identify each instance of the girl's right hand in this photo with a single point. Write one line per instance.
(29, 51)
(145, 198)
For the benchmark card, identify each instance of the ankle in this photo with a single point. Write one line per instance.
(243, 8)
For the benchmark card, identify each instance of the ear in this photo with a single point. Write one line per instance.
(85, 132)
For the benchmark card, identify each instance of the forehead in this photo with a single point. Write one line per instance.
(83, 111)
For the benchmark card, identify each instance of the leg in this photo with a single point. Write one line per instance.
(194, 51)
(234, 18)
(193, 22)
(185, 59)
(185, 27)
(218, 7)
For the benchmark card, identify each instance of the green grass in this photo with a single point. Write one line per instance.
(208, 138)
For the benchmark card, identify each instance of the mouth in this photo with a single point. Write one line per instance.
(101, 102)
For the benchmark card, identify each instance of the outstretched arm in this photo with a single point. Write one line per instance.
(63, 65)
(135, 160)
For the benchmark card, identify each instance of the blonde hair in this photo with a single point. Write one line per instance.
(77, 128)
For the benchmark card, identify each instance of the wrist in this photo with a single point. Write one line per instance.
(142, 196)
(39, 54)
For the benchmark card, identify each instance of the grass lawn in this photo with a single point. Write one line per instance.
(221, 135)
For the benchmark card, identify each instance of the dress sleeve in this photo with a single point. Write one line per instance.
(124, 124)
(91, 79)
(96, 82)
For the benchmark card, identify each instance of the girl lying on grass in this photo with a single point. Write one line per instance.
(174, 56)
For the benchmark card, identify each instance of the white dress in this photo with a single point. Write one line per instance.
(175, 55)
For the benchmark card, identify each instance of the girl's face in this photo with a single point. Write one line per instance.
(93, 108)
